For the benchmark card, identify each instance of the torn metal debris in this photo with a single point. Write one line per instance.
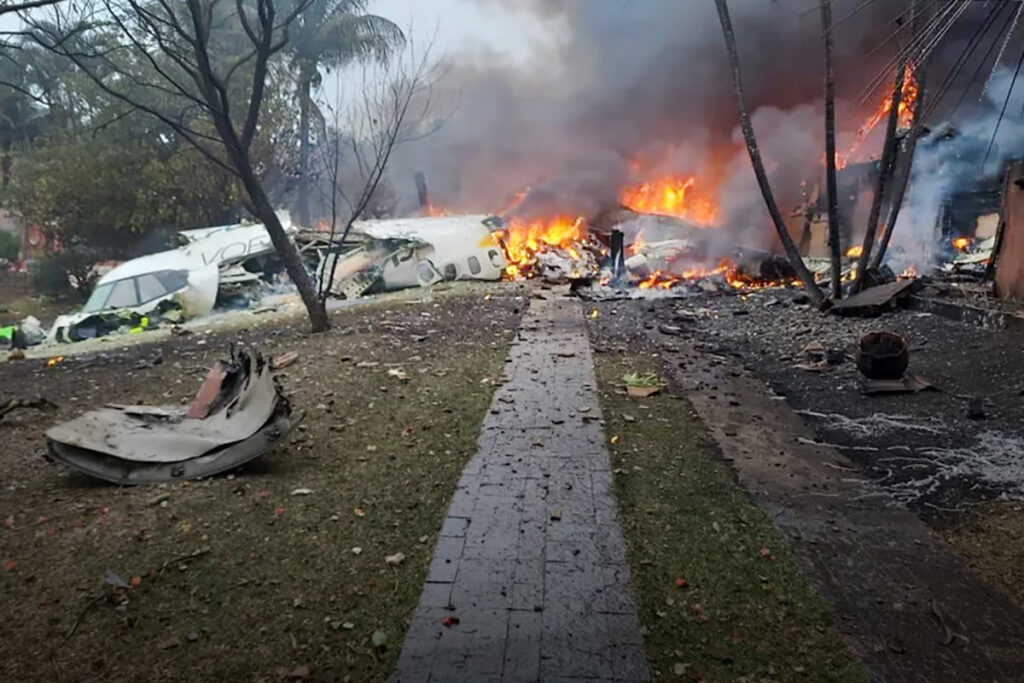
(238, 414)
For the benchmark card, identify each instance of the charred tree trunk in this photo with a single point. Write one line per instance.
(903, 179)
(792, 252)
(302, 203)
(832, 193)
(886, 166)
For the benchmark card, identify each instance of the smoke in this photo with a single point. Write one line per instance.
(951, 158)
(643, 84)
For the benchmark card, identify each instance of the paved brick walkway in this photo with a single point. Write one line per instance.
(531, 560)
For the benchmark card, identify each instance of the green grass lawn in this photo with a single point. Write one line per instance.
(720, 598)
(292, 580)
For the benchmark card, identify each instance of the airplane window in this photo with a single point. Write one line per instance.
(449, 272)
(123, 295)
(150, 287)
(173, 280)
(495, 258)
(474, 265)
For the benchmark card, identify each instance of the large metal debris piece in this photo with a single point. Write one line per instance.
(238, 414)
(876, 300)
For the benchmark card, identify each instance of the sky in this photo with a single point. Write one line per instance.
(463, 25)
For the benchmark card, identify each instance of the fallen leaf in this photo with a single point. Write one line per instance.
(156, 500)
(396, 559)
(302, 492)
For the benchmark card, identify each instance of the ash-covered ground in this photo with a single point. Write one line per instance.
(934, 451)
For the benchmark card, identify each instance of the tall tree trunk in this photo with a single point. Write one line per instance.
(286, 249)
(831, 187)
(886, 166)
(903, 178)
(305, 89)
(792, 252)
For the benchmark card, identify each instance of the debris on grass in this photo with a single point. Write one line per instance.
(395, 560)
(302, 492)
(642, 386)
(379, 640)
(398, 374)
(284, 360)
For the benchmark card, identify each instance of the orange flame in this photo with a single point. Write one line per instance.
(670, 195)
(854, 252)
(908, 102)
(962, 243)
(523, 239)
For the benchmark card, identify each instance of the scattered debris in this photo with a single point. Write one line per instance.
(39, 403)
(876, 300)
(882, 355)
(642, 386)
(284, 360)
(302, 492)
(395, 560)
(240, 415)
(909, 384)
(398, 374)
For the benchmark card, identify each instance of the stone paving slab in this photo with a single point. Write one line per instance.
(531, 559)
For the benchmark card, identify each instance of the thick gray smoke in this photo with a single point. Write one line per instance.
(642, 80)
(957, 157)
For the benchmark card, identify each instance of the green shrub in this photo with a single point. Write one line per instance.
(51, 275)
(10, 246)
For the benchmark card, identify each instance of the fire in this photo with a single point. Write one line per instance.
(659, 279)
(671, 195)
(854, 252)
(908, 101)
(524, 239)
(431, 210)
(910, 272)
(962, 243)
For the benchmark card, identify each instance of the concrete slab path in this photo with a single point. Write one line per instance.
(531, 561)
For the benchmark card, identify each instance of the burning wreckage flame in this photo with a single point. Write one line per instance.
(671, 195)
(523, 240)
(908, 102)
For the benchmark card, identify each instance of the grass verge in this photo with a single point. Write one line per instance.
(992, 539)
(719, 596)
(291, 580)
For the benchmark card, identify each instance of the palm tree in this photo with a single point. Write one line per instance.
(330, 34)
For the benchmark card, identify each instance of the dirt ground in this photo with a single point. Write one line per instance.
(245, 576)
